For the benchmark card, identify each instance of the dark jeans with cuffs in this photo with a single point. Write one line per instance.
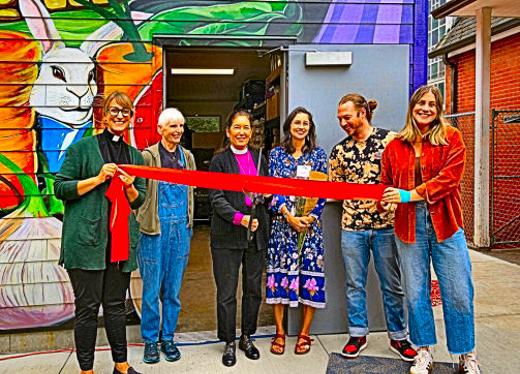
(93, 288)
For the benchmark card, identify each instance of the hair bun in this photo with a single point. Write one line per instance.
(372, 104)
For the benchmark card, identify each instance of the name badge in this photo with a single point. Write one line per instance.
(303, 171)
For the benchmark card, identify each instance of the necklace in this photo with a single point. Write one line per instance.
(174, 157)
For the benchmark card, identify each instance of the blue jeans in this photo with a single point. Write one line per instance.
(355, 247)
(162, 261)
(452, 266)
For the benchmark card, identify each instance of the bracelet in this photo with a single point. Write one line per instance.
(405, 196)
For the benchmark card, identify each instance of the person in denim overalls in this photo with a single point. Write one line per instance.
(166, 230)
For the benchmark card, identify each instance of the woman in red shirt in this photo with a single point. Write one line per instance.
(424, 166)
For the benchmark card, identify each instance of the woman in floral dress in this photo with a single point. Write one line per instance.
(295, 250)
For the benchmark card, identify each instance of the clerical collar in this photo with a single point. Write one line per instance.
(112, 137)
(238, 151)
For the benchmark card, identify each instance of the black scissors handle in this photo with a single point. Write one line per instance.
(254, 200)
(252, 216)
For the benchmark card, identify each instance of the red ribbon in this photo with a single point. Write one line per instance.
(119, 212)
(265, 185)
(223, 181)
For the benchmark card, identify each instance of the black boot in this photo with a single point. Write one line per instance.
(246, 345)
(229, 357)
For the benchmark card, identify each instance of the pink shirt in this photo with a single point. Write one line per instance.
(246, 166)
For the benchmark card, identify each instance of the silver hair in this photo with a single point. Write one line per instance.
(170, 115)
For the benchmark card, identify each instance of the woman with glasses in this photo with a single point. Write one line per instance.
(99, 271)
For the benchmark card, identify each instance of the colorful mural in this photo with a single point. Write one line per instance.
(58, 58)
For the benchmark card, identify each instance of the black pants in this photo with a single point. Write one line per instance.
(91, 289)
(226, 265)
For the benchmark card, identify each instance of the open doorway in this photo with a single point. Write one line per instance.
(232, 78)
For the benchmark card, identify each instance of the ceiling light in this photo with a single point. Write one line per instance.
(190, 71)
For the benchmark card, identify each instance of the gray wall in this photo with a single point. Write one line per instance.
(379, 72)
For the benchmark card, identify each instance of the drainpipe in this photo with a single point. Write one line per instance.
(454, 72)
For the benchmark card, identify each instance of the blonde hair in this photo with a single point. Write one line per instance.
(360, 102)
(437, 132)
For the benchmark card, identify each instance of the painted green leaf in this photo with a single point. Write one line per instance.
(33, 201)
(244, 18)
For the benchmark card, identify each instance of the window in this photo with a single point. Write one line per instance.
(203, 123)
(438, 28)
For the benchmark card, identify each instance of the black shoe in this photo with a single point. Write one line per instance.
(170, 351)
(151, 353)
(130, 370)
(229, 357)
(354, 346)
(404, 349)
(246, 345)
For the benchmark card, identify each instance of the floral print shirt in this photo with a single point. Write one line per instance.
(360, 162)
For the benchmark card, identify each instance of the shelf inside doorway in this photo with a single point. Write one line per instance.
(259, 109)
(272, 123)
(273, 76)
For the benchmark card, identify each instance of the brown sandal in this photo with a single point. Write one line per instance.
(274, 343)
(303, 344)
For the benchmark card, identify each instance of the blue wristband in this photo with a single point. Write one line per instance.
(405, 196)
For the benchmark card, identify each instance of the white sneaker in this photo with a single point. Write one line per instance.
(468, 364)
(423, 362)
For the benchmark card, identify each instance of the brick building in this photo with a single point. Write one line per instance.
(457, 49)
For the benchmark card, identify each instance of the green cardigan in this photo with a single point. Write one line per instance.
(85, 222)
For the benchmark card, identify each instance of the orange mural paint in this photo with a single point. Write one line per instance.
(19, 55)
(117, 72)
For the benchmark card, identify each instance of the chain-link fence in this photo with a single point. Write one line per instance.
(465, 122)
(505, 178)
(504, 185)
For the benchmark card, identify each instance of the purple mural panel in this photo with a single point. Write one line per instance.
(344, 33)
(370, 22)
(381, 22)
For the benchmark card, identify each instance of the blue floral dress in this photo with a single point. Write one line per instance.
(294, 277)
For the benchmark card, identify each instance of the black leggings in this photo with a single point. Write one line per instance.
(91, 289)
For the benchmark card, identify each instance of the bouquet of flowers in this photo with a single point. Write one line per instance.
(304, 205)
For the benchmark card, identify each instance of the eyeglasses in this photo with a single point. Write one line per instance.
(114, 112)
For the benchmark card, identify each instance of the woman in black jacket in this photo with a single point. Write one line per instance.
(230, 247)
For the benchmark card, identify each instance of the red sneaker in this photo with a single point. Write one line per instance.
(404, 349)
(354, 346)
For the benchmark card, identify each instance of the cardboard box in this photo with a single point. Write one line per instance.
(273, 107)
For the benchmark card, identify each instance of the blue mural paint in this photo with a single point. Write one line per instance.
(56, 137)
(420, 48)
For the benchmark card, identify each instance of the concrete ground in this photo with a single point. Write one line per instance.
(497, 307)
(510, 255)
